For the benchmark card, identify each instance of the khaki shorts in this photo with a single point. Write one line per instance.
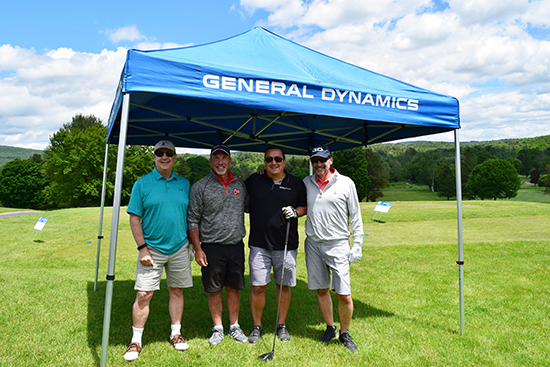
(177, 265)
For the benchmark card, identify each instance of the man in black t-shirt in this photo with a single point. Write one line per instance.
(275, 198)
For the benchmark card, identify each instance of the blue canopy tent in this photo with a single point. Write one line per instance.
(258, 89)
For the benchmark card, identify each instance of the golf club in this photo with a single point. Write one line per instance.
(269, 356)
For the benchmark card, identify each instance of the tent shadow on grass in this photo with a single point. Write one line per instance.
(196, 321)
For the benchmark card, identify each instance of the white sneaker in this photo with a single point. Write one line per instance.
(179, 343)
(132, 353)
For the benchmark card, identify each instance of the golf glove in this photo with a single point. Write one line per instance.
(355, 254)
(289, 212)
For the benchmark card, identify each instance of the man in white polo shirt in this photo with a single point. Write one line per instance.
(332, 207)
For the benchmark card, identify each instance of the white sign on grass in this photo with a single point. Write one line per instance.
(40, 224)
(382, 207)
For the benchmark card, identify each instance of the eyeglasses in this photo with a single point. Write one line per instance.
(277, 159)
(160, 153)
(317, 159)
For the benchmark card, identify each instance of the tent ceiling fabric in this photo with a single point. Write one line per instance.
(257, 89)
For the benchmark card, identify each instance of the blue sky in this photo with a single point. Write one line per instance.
(60, 58)
(83, 26)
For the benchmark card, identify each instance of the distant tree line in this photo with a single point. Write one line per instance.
(489, 170)
(70, 171)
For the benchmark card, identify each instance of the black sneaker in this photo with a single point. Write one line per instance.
(282, 333)
(330, 333)
(255, 334)
(348, 342)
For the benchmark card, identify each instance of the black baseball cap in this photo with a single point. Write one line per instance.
(220, 147)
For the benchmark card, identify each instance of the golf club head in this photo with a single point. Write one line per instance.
(266, 356)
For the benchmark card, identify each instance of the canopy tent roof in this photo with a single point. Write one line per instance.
(257, 89)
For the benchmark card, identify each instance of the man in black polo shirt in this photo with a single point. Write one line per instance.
(275, 197)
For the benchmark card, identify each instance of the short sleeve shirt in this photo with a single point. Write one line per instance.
(267, 222)
(162, 205)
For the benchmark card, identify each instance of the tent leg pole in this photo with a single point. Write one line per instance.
(99, 235)
(114, 229)
(460, 261)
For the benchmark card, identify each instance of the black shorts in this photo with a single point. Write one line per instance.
(225, 267)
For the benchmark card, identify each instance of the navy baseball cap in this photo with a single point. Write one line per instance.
(320, 151)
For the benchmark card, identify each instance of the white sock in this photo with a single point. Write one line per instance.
(219, 327)
(136, 336)
(176, 329)
(231, 327)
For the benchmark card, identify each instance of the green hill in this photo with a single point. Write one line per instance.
(8, 153)
(511, 145)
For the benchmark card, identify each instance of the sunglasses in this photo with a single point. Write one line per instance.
(277, 159)
(315, 160)
(160, 153)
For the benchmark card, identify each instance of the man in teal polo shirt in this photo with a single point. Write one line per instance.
(158, 219)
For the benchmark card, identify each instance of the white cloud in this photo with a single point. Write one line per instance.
(14, 57)
(129, 33)
(538, 13)
(481, 12)
(45, 91)
(41, 92)
(463, 51)
(158, 46)
(481, 54)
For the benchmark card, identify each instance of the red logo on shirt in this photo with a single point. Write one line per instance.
(236, 192)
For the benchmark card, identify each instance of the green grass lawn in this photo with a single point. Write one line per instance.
(533, 194)
(401, 192)
(9, 210)
(405, 291)
(398, 191)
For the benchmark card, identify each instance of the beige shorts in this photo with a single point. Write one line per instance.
(177, 265)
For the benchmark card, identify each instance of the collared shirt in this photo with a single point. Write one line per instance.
(332, 211)
(267, 221)
(162, 205)
(217, 209)
(322, 184)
